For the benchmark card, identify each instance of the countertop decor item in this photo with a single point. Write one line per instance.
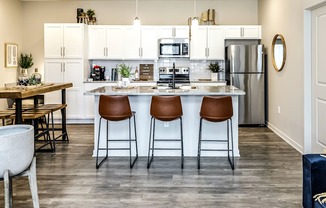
(215, 68)
(124, 70)
(91, 17)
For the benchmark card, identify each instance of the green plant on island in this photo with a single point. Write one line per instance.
(124, 70)
(214, 67)
(25, 61)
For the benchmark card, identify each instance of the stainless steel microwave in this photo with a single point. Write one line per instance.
(173, 47)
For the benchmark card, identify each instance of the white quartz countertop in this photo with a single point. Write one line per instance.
(148, 90)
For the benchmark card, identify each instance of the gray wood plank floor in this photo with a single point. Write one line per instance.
(268, 174)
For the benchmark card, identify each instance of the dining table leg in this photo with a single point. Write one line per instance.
(63, 117)
(18, 111)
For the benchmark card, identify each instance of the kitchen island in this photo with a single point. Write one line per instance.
(140, 100)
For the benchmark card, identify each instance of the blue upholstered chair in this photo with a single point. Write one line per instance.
(314, 179)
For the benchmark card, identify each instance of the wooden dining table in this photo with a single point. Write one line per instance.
(18, 93)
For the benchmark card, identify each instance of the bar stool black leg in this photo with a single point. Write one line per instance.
(136, 157)
(232, 164)
(199, 143)
(149, 159)
(136, 136)
(98, 143)
(182, 154)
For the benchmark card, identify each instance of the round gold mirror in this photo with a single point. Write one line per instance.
(278, 52)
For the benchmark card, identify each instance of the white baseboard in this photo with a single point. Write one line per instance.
(286, 138)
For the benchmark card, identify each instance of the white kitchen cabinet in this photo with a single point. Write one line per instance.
(123, 42)
(105, 42)
(149, 43)
(63, 40)
(66, 70)
(173, 32)
(243, 32)
(132, 49)
(207, 43)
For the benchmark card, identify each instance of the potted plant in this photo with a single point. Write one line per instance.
(90, 13)
(216, 70)
(25, 62)
(125, 72)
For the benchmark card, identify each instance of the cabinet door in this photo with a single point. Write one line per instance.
(165, 32)
(132, 43)
(73, 35)
(174, 32)
(149, 43)
(181, 32)
(53, 72)
(215, 43)
(198, 44)
(251, 32)
(53, 40)
(97, 42)
(73, 72)
(233, 32)
(115, 42)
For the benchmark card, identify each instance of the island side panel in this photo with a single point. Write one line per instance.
(191, 107)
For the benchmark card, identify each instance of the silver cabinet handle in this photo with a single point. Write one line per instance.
(207, 52)
(174, 32)
(107, 51)
(64, 51)
(61, 66)
(61, 51)
(64, 67)
(104, 51)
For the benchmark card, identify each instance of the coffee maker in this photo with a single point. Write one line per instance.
(98, 73)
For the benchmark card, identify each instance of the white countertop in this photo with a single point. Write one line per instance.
(148, 90)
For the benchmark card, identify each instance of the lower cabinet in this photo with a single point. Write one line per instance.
(66, 70)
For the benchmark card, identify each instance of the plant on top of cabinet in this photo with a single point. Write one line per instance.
(124, 70)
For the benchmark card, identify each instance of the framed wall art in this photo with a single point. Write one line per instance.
(11, 55)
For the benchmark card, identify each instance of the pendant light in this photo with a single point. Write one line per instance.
(194, 21)
(136, 20)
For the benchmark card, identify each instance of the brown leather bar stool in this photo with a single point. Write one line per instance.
(164, 108)
(217, 109)
(115, 108)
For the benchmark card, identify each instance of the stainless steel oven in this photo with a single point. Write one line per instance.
(173, 47)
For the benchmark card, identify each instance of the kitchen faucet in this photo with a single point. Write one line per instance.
(173, 76)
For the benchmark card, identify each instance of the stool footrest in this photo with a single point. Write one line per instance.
(121, 140)
(127, 148)
(167, 140)
(209, 140)
(166, 148)
(216, 150)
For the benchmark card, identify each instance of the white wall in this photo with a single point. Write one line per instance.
(154, 12)
(285, 87)
(11, 32)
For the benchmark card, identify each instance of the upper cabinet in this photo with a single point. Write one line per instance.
(105, 42)
(122, 42)
(207, 43)
(243, 32)
(173, 32)
(63, 40)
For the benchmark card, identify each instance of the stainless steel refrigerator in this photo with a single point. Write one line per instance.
(245, 70)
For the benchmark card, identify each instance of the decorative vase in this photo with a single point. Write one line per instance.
(36, 77)
(214, 76)
(23, 78)
(125, 82)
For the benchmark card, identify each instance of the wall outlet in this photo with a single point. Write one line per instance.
(279, 109)
(166, 124)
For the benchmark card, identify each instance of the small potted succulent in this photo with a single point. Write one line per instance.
(216, 70)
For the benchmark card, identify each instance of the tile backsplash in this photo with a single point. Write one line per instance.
(198, 69)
